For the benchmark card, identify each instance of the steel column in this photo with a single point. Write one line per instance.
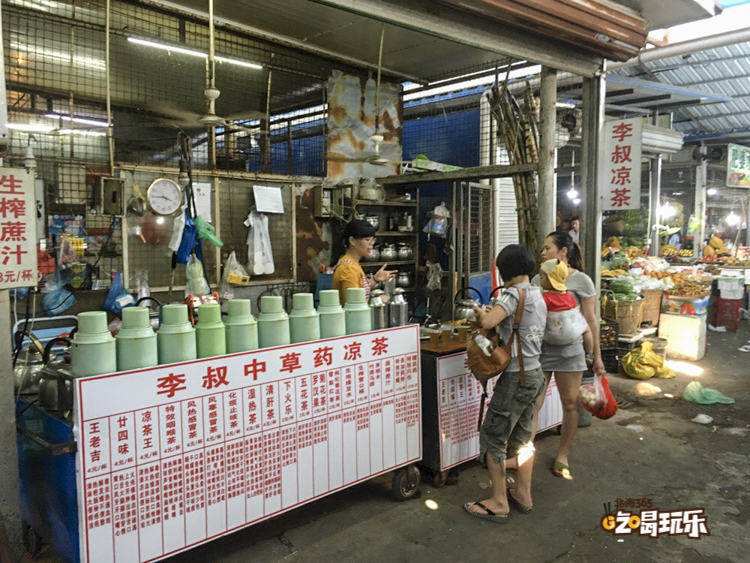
(654, 220)
(547, 196)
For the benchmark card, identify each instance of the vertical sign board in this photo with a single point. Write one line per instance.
(738, 166)
(18, 266)
(621, 169)
(174, 456)
(459, 400)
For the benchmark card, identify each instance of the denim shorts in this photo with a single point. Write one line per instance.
(507, 423)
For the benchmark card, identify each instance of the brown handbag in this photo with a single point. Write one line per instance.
(485, 367)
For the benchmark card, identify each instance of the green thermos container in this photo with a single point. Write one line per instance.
(210, 332)
(241, 327)
(332, 320)
(93, 350)
(176, 336)
(136, 341)
(304, 321)
(357, 311)
(273, 322)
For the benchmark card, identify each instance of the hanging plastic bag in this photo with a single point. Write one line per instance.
(597, 398)
(259, 250)
(57, 299)
(66, 254)
(234, 274)
(189, 243)
(141, 284)
(117, 297)
(206, 231)
(438, 223)
(434, 276)
(196, 280)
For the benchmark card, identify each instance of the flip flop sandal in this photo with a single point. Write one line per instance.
(561, 470)
(522, 508)
(491, 516)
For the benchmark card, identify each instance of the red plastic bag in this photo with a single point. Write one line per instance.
(597, 398)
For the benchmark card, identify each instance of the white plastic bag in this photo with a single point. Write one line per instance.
(196, 280)
(232, 270)
(259, 250)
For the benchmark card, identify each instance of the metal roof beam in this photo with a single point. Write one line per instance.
(722, 79)
(443, 22)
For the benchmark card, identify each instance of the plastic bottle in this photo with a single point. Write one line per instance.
(210, 332)
(332, 317)
(93, 350)
(176, 336)
(357, 311)
(304, 321)
(273, 322)
(241, 327)
(136, 341)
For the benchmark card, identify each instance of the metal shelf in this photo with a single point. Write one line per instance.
(386, 203)
(395, 234)
(392, 263)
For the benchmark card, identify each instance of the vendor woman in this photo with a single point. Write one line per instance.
(357, 240)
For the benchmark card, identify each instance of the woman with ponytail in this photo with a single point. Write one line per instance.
(356, 241)
(568, 362)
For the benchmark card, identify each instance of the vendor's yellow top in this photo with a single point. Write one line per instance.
(557, 273)
(349, 273)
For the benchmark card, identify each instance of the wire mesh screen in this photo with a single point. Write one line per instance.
(480, 229)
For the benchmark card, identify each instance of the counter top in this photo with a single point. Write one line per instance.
(452, 347)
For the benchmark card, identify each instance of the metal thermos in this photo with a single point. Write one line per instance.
(93, 350)
(357, 311)
(379, 310)
(176, 336)
(273, 322)
(332, 320)
(399, 308)
(304, 321)
(136, 341)
(210, 332)
(241, 327)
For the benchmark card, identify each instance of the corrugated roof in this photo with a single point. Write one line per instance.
(724, 71)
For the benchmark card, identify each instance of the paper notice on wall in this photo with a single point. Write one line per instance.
(268, 199)
(203, 193)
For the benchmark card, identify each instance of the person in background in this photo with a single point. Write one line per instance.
(507, 426)
(676, 240)
(357, 240)
(575, 227)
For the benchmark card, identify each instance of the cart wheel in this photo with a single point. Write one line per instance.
(31, 540)
(440, 478)
(405, 483)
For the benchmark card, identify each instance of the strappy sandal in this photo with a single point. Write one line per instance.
(489, 515)
(522, 508)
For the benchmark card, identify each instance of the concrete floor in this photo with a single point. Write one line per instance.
(671, 460)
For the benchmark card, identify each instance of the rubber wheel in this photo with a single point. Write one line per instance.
(405, 483)
(31, 540)
(440, 478)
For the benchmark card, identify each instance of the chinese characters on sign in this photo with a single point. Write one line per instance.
(738, 166)
(621, 168)
(174, 456)
(18, 266)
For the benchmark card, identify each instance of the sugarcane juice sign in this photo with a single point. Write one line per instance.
(738, 166)
(18, 266)
(621, 164)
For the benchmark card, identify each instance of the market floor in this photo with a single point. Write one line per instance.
(650, 449)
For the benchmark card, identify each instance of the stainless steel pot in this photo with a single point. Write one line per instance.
(379, 310)
(56, 384)
(28, 368)
(399, 308)
(464, 307)
(388, 253)
(372, 256)
(404, 279)
(374, 220)
(404, 251)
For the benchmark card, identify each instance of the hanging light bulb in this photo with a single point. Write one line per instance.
(572, 193)
(667, 211)
(732, 219)
(711, 191)
(577, 201)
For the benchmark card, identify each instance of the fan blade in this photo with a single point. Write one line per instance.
(244, 115)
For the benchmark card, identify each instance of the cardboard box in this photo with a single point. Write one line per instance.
(686, 337)
(684, 306)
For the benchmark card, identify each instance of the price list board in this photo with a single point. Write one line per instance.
(458, 397)
(175, 456)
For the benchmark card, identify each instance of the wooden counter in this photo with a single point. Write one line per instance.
(452, 347)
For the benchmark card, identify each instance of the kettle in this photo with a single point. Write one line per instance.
(154, 315)
(464, 307)
(372, 256)
(399, 308)
(404, 251)
(28, 368)
(404, 279)
(56, 384)
(494, 300)
(379, 310)
(388, 252)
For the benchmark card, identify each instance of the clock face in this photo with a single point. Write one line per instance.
(164, 196)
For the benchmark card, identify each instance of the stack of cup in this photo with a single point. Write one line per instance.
(93, 350)
(332, 319)
(136, 341)
(273, 322)
(176, 336)
(241, 328)
(304, 321)
(357, 311)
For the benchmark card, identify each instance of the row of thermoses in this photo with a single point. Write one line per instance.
(95, 351)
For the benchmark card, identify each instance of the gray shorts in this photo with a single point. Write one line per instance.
(507, 423)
